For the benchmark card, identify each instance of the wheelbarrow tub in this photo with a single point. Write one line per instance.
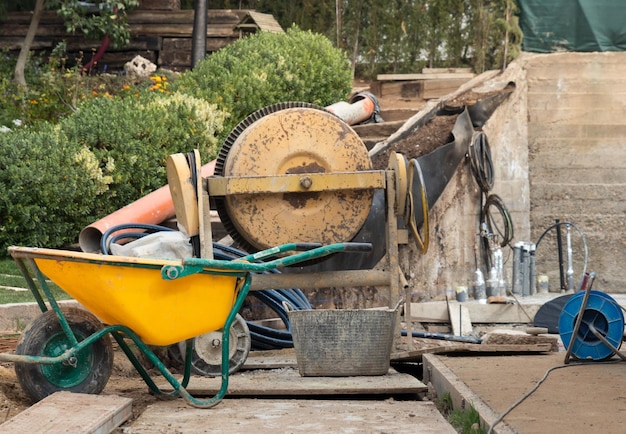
(130, 291)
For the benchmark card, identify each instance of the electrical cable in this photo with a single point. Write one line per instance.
(481, 163)
(506, 233)
(584, 241)
(536, 386)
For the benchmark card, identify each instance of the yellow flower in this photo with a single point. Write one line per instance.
(126, 87)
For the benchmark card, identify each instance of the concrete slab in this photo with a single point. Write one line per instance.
(65, 412)
(293, 416)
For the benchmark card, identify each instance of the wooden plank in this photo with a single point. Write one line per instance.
(65, 412)
(288, 382)
(440, 76)
(444, 70)
(271, 359)
(159, 4)
(437, 311)
(459, 319)
(484, 349)
(298, 415)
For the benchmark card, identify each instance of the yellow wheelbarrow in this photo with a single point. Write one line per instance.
(152, 302)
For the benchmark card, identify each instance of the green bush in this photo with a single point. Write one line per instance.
(56, 179)
(47, 187)
(131, 139)
(268, 68)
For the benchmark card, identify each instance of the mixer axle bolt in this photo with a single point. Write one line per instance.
(306, 182)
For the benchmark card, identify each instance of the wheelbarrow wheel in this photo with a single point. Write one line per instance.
(45, 337)
(206, 356)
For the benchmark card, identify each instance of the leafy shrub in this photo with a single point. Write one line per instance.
(47, 187)
(56, 179)
(132, 137)
(268, 68)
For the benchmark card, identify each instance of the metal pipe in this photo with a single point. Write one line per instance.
(532, 274)
(198, 36)
(362, 106)
(559, 246)
(516, 280)
(323, 279)
(570, 263)
(524, 270)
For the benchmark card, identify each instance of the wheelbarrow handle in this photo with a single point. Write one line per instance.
(250, 264)
(301, 247)
(358, 247)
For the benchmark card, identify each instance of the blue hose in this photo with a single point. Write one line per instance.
(263, 338)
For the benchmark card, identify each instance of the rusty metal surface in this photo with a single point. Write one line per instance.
(298, 141)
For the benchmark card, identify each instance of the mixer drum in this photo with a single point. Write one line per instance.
(293, 138)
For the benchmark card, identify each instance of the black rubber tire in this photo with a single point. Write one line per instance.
(45, 337)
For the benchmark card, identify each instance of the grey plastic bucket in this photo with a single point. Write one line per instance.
(342, 343)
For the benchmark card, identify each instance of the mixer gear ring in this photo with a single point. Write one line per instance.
(293, 138)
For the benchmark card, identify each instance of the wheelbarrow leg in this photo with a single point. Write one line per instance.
(180, 386)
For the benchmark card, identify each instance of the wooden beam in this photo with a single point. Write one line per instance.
(440, 76)
(64, 412)
(437, 312)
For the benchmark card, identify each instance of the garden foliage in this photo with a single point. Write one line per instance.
(59, 173)
(57, 178)
(268, 68)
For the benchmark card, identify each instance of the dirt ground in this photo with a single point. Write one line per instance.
(575, 398)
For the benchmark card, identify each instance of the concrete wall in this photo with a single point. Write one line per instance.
(577, 158)
(559, 149)
(455, 217)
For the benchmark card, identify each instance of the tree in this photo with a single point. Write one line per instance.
(96, 19)
(28, 40)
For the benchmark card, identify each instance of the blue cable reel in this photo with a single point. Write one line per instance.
(603, 313)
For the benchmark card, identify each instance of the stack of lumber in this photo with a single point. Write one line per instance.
(450, 328)
(431, 83)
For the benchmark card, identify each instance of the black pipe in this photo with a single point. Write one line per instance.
(559, 244)
(198, 36)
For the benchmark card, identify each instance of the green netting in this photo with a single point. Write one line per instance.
(573, 25)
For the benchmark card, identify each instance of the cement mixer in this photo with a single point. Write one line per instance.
(296, 172)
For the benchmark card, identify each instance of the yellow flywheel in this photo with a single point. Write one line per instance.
(287, 139)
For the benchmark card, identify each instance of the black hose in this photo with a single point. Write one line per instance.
(506, 233)
(481, 163)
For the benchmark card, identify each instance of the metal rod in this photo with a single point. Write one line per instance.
(570, 263)
(559, 246)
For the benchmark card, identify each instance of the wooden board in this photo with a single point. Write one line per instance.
(271, 359)
(65, 412)
(436, 311)
(459, 319)
(484, 349)
(440, 76)
(302, 416)
(288, 382)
